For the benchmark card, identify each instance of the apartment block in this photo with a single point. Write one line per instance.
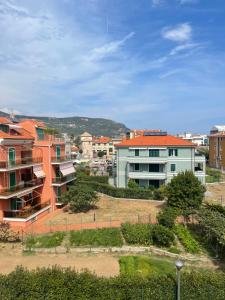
(155, 158)
(197, 139)
(34, 171)
(217, 147)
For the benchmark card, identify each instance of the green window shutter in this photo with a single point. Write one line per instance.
(136, 152)
(59, 191)
(12, 180)
(58, 151)
(12, 157)
(153, 153)
(40, 134)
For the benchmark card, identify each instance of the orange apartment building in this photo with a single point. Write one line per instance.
(34, 171)
(217, 148)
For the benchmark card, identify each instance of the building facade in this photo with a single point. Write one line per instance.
(155, 158)
(34, 171)
(217, 147)
(197, 139)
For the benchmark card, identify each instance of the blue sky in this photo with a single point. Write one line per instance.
(147, 63)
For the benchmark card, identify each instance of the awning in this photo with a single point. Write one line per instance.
(39, 173)
(67, 168)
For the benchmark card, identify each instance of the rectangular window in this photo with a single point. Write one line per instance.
(136, 167)
(173, 152)
(173, 168)
(58, 151)
(136, 152)
(40, 134)
(154, 168)
(153, 153)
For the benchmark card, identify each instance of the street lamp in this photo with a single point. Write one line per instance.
(179, 265)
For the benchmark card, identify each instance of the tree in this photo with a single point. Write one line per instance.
(185, 191)
(132, 184)
(80, 198)
(6, 234)
(101, 154)
(51, 131)
(167, 216)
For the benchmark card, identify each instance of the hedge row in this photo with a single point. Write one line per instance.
(56, 283)
(118, 192)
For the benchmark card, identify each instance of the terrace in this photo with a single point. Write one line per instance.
(19, 163)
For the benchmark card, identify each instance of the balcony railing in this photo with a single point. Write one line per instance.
(26, 211)
(20, 162)
(51, 138)
(23, 185)
(63, 179)
(61, 158)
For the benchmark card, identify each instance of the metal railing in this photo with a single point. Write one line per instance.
(6, 164)
(26, 211)
(61, 158)
(23, 185)
(63, 179)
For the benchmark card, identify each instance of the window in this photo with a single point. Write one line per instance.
(137, 181)
(153, 153)
(154, 168)
(173, 152)
(136, 167)
(136, 152)
(173, 168)
(40, 134)
(58, 151)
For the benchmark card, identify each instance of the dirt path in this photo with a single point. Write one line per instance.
(102, 264)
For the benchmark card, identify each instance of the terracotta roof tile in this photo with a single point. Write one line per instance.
(167, 140)
(102, 139)
(4, 120)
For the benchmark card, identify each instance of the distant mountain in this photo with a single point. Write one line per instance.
(77, 125)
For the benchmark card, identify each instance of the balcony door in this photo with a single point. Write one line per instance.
(12, 180)
(58, 152)
(12, 157)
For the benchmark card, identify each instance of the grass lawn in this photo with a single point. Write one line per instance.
(96, 237)
(45, 241)
(145, 265)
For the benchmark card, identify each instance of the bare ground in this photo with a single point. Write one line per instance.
(216, 193)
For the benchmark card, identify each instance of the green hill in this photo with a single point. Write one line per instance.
(77, 125)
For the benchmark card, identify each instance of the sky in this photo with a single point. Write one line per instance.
(156, 64)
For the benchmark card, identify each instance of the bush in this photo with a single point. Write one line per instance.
(97, 237)
(6, 234)
(167, 216)
(81, 176)
(80, 198)
(45, 241)
(212, 175)
(162, 236)
(187, 240)
(174, 250)
(58, 283)
(139, 234)
(132, 184)
(118, 192)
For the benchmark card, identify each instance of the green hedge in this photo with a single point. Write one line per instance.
(45, 241)
(119, 192)
(55, 283)
(96, 237)
(187, 240)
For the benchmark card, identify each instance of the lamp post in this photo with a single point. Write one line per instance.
(179, 265)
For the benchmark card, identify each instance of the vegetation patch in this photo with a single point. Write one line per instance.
(139, 234)
(45, 241)
(212, 175)
(187, 240)
(97, 237)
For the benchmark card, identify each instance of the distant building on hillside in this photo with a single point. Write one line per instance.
(154, 158)
(217, 147)
(197, 139)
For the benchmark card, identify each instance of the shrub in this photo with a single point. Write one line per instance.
(80, 198)
(45, 241)
(187, 240)
(132, 184)
(6, 234)
(185, 191)
(174, 250)
(167, 216)
(96, 237)
(162, 236)
(137, 233)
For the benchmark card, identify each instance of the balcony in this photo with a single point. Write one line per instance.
(27, 186)
(147, 175)
(27, 211)
(19, 163)
(61, 159)
(147, 159)
(199, 157)
(62, 180)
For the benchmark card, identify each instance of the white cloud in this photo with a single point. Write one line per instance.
(179, 33)
(188, 1)
(183, 47)
(156, 3)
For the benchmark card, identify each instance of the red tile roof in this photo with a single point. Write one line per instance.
(166, 140)
(19, 134)
(102, 139)
(4, 120)
(35, 122)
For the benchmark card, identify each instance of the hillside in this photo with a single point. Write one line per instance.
(77, 125)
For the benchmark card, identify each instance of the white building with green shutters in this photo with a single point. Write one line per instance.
(155, 158)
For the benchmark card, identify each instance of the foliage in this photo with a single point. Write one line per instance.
(6, 234)
(216, 207)
(83, 176)
(185, 191)
(187, 240)
(118, 192)
(167, 216)
(132, 184)
(174, 250)
(160, 193)
(204, 151)
(137, 233)
(57, 283)
(45, 241)
(51, 131)
(80, 198)
(101, 153)
(162, 236)
(96, 237)
(213, 175)
(145, 266)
